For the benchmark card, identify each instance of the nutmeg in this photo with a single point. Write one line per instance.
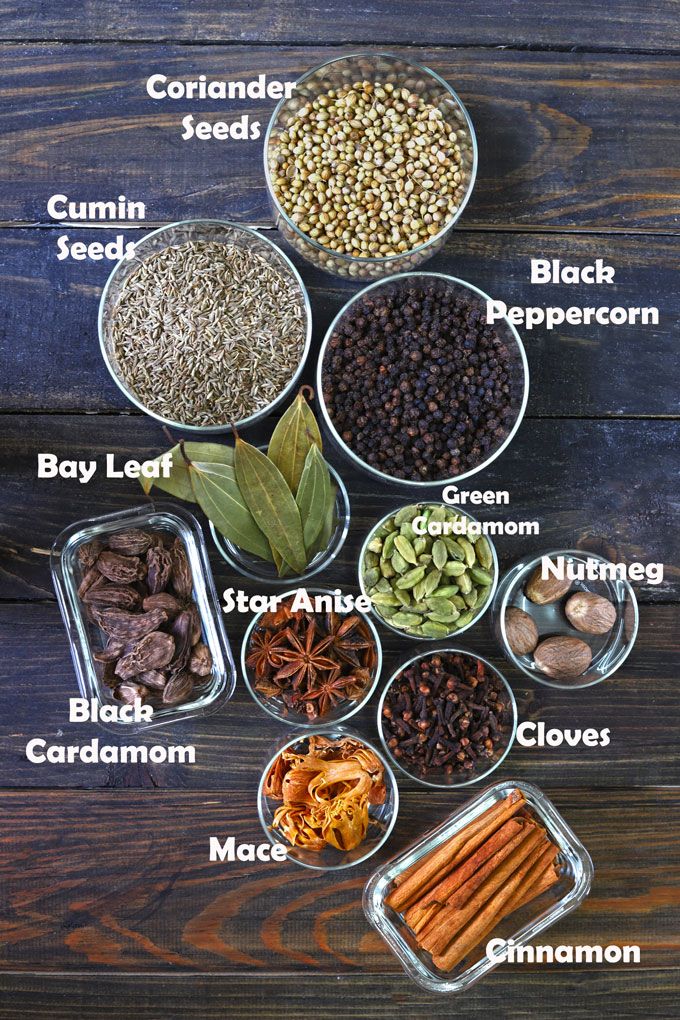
(543, 590)
(521, 631)
(590, 613)
(563, 657)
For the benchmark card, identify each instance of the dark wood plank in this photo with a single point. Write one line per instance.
(106, 881)
(639, 705)
(575, 371)
(621, 23)
(573, 140)
(509, 993)
(607, 485)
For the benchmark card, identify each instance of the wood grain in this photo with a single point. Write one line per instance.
(102, 881)
(639, 706)
(575, 371)
(305, 22)
(559, 135)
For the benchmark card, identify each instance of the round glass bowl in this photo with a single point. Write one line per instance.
(519, 383)
(439, 778)
(383, 69)
(258, 569)
(183, 232)
(379, 531)
(382, 817)
(276, 707)
(609, 650)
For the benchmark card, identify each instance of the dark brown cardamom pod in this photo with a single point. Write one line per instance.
(88, 553)
(129, 626)
(120, 569)
(181, 571)
(164, 600)
(153, 651)
(108, 675)
(152, 678)
(196, 629)
(91, 579)
(159, 569)
(111, 652)
(178, 689)
(132, 542)
(122, 596)
(129, 692)
(181, 631)
(200, 660)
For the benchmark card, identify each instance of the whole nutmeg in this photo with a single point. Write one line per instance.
(590, 613)
(543, 590)
(521, 631)
(563, 657)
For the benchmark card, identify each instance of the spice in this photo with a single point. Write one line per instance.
(446, 715)
(416, 383)
(279, 506)
(208, 333)
(455, 897)
(369, 170)
(327, 792)
(137, 587)
(423, 581)
(312, 662)
(563, 657)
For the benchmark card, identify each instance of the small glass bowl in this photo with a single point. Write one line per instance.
(386, 68)
(276, 707)
(183, 231)
(85, 637)
(609, 650)
(520, 383)
(524, 926)
(382, 816)
(442, 780)
(260, 570)
(479, 612)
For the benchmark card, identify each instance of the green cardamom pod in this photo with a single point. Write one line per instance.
(440, 553)
(405, 549)
(411, 578)
(480, 576)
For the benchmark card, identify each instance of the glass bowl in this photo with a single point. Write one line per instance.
(609, 650)
(276, 707)
(85, 636)
(479, 610)
(382, 816)
(260, 570)
(523, 926)
(440, 780)
(504, 328)
(385, 68)
(179, 233)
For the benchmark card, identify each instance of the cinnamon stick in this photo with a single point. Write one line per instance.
(494, 843)
(542, 876)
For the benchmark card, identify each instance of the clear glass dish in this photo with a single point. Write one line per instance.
(440, 780)
(382, 816)
(524, 926)
(183, 231)
(479, 611)
(276, 707)
(609, 650)
(260, 570)
(520, 383)
(385, 68)
(85, 636)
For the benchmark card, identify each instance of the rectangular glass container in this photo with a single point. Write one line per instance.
(85, 637)
(523, 926)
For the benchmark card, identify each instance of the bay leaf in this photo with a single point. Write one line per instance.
(296, 431)
(270, 501)
(330, 519)
(178, 482)
(219, 497)
(312, 496)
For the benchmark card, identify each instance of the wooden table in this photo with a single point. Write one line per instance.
(108, 902)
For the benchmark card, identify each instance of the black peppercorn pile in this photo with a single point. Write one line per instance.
(446, 714)
(417, 384)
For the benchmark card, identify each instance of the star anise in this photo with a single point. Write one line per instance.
(265, 652)
(347, 638)
(304, 660)
(328, 694)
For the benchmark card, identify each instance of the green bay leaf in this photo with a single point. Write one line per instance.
(312, 496)
(178, 482)
(219, 497)
(296, 431)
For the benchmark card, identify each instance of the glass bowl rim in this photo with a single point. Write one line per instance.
(330, 730)
(511, 739)
(256, 415)
(389, 259)
(362, 464)
(492, 588)
(300, 722)
(542, 678)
